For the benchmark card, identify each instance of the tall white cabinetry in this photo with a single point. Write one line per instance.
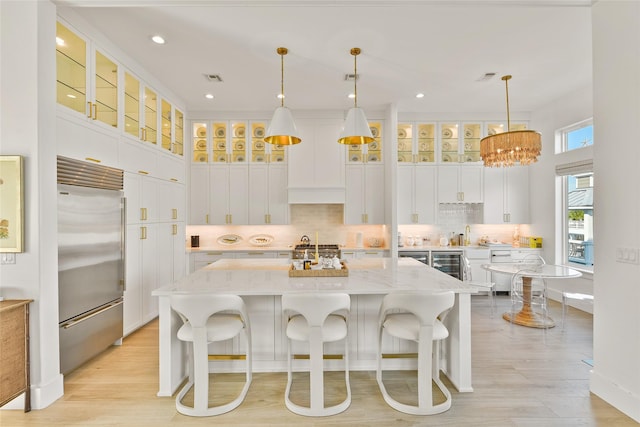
(268, 194)
(364, 203)
(460, 184)
(506, 195)
(416, 194)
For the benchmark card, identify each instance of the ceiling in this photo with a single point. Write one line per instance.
(438, 47)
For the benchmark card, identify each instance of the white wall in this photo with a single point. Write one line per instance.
(616, 55)
(27, 128)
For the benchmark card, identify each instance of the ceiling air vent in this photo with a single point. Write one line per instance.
(213, 78)
(351, 77)
(485, 77)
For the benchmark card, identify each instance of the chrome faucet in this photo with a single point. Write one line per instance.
(467, 235)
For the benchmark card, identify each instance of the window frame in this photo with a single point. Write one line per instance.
(572, 162)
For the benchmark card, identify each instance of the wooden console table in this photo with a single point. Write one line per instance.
(14, 351)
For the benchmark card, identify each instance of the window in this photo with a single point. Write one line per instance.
(577, 136)
(576, 189)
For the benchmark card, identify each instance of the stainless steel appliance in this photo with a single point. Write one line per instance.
(422, 256)
(90, 259)
(323, 251)
(449, 262)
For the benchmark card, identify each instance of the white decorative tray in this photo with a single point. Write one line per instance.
(229, 239)
(261, 240)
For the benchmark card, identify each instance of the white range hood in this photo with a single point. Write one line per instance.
(316, 195)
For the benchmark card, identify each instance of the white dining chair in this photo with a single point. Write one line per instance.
(417, 316)
(316, 318)
(210, 318)
(488, 286)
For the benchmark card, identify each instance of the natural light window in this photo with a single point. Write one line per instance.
(576, 191)
(577, 136)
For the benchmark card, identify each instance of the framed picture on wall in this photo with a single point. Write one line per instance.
(11, 204)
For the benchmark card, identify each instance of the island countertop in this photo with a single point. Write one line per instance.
(270, 277)
(261, 282)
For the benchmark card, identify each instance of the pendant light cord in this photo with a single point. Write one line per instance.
(506, 85)
(282, 79)
(355, 79)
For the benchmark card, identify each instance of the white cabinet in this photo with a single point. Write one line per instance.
(155, 243)
(460, 184)
(363, 253)
(219, 194)
(416, 203)
(316, 166)
(506, 195)
(228, 194)
(364, 203)
(268, 194)
(83, 141)
(476, 258)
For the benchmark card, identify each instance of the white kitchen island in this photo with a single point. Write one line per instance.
(261, 282)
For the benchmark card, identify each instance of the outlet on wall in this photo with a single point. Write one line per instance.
(7, 258)
(628, 255)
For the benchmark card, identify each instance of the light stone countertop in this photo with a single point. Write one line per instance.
(270, 277)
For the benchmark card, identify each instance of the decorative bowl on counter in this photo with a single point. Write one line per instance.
(375, 242)
(261, 240)
(229, 239)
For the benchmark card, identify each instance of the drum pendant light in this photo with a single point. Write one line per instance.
(507, 148)
(356, 128)
(282, 129)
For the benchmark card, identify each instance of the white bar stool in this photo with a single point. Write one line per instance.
(316, 318)
(417, 316)
(209, 318)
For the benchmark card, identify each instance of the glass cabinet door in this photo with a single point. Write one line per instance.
(449, 142)
(178, 144)
(105, 107)
(426, 143)
(471, 142)
(219, 142)
(372, 152)
(374, 148)
(258, 146)
(150, 116)
(238, 142)
(405, 143)
(165, 114)
(71, 69)
(200, 136)
(131, 105)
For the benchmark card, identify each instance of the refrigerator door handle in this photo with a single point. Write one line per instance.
(123, 244)
(75, 322)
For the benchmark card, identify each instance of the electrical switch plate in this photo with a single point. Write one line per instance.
(628, 255)
(7, 258)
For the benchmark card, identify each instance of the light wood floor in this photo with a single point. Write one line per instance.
(521, 377)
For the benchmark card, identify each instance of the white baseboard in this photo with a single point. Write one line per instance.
(614, 395)
(41, 396)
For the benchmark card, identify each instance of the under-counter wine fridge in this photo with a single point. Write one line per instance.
(449, 262)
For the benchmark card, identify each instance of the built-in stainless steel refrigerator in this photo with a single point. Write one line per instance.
(91, 228)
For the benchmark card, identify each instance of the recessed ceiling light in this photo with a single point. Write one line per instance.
(158, 39)
(209, 96)
(280, 96)
(351, 95)
(420, 95)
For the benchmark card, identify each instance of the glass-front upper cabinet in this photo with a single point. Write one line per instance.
(460, 142)
(87, 80)
(150, 128)
(368, 153)
(178, 138)
(499, 127)
(200, 137)
(262, 152)
(131, 105)
(165, 118)
(416, 142)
